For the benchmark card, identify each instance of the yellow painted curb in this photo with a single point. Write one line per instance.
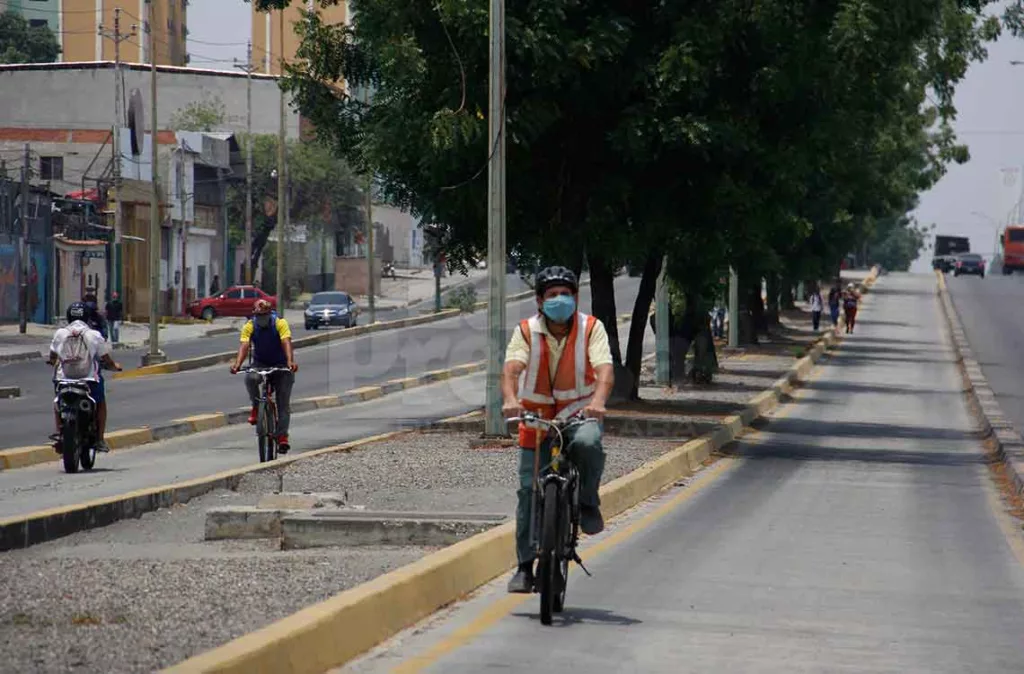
(406, 383)
(324, 402)
(23, 457)
(205, 422)
(367, 392)
(129, 437)
(437, 375)
(146, 371)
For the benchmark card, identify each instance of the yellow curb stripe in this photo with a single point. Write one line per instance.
(204, 422)
(129, 437)
(23, 457)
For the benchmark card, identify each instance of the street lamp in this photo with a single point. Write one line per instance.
(995, 223)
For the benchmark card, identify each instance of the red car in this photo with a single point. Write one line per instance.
(235, 301)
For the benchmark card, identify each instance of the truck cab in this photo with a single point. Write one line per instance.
(1013, 249)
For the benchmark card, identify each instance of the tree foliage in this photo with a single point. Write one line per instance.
(208, 114)
(21, 42)
(774, 136)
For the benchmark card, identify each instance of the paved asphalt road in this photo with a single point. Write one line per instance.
(990, 310)
(22, 371)
(329, 369)
(857, 532)
(35, 488)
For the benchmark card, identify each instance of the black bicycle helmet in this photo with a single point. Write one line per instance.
(555, 276)
(77, 311)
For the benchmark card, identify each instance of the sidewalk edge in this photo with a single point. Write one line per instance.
(996, 426)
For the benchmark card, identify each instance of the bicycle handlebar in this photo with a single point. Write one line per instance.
(263, 372)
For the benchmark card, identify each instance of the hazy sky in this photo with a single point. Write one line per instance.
(990, 103)
(217, 32)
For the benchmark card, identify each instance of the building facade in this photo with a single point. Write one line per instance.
(76, 24)
(267, 45)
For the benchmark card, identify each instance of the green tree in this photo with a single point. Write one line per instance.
(21, 42)
(208, 114)
(325, 194)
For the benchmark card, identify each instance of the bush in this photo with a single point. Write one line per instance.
(462, 298)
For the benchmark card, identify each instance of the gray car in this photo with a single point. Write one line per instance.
(331, 308)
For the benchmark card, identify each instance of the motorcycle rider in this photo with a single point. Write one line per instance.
(98, 354)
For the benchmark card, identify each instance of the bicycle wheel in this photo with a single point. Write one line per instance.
(263, 433)
(547, 567)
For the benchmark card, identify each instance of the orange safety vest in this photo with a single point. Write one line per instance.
(575, 379)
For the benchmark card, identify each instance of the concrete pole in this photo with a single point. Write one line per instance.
(734, 308)
(494, 420)
(281, 206)
(23, 262)
(371, 280)
(155, 355)
(663, 374)
(248, 68)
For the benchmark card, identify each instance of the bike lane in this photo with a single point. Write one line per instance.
(858, 531)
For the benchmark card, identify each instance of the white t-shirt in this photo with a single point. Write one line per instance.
(94, 341)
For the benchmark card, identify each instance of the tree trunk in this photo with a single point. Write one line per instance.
(757, 312)
(788, 299)
(602, 293)
(772, 312)
(705, 360)
(638, 322)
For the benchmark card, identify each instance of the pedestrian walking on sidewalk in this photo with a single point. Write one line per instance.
(817, 305)
(115, 314)
(834, 297)
(850, 301)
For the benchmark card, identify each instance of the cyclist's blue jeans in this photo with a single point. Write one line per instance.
(587, 453)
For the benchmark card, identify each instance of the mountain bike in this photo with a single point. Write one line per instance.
(555, 514)
(266, 417)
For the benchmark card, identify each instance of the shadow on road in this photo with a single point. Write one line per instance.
(865, 455)
(583, 616)
(865, 430)
(844, 359)
(848, 387)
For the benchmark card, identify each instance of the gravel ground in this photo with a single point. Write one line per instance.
(438, 471)
(147, 593)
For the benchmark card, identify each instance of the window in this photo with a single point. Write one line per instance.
(234, 294)
(38, 23)
(51, 168)
(1016, 235)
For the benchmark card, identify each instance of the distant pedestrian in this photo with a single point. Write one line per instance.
(215, 285)
(115, 314)
(850, 301)
(817, 305)
(834, 297)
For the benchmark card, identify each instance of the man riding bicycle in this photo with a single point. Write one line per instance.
(95, 351)
(269, 339)
(568, 365)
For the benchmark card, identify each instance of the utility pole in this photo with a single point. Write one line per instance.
(495, 423)
(281, 206)
(155, 355)
(369, 229)
(184, 227)
(118, 37)
(249, 69)
(663, 373)
(23, 263)
(734, 308)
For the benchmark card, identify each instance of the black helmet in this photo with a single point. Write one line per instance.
(77, 311)
(555, 276)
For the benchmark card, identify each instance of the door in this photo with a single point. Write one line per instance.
(232, 303)
(201, 281)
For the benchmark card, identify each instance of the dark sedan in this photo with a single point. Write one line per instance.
(969, 263)
(331, 308)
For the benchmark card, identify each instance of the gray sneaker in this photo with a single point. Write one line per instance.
(591, 521)
(102, 446)
(522, 582)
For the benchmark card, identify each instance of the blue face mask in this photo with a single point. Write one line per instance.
(559, 309)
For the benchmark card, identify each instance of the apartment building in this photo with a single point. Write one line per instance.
(77, 22)
(267, 44)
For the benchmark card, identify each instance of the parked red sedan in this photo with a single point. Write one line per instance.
(235, 301)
